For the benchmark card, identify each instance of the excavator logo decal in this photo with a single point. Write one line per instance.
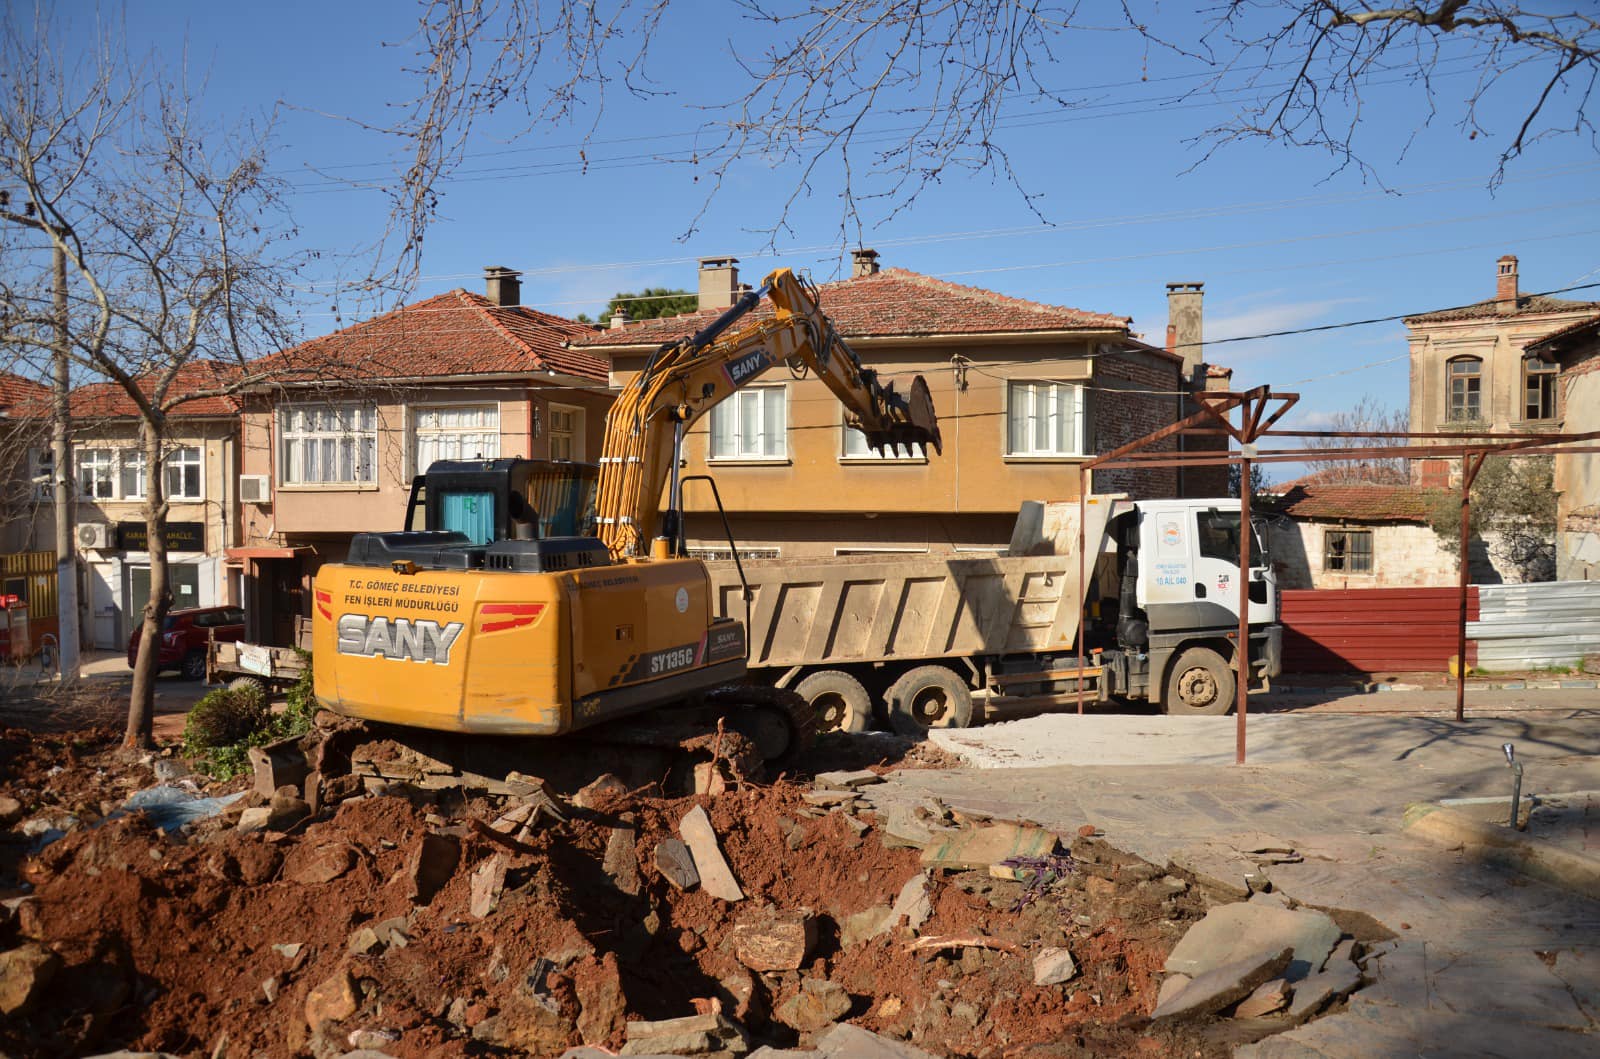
(515, 615)
(743, 369)
(398, 639)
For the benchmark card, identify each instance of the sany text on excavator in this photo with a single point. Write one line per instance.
(480, 624)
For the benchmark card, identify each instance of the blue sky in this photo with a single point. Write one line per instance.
(1280, 241)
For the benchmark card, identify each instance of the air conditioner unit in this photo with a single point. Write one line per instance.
(253, 489)
(94, 535)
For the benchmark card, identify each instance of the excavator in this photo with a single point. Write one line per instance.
(503, 619)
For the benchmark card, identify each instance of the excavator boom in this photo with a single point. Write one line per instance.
(684, 380)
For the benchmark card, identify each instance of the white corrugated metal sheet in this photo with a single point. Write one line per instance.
(1553, 623)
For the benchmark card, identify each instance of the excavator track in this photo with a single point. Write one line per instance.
(774, 710)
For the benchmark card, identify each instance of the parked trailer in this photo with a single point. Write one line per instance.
(938, 636)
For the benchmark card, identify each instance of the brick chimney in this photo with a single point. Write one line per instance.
(1505, 284)
(719, 282)
(1185, 319)
(619, 319)
(502, 286)
(863, 263)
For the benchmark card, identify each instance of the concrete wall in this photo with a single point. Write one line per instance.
(1404, 555)
(1577, 480)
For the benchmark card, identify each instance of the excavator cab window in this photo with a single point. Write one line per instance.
(468, 511)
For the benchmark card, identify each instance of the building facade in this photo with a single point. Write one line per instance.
(1575, 352)
(331, 440)
(1025, 393)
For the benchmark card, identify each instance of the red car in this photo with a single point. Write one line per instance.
(184, 636)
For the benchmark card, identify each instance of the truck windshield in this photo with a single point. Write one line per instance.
(1218, 533)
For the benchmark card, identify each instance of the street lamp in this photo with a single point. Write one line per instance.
(66, 560)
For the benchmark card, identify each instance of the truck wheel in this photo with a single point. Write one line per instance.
(929, 697)
(840, 701)
(1200, 685)
(193, 666)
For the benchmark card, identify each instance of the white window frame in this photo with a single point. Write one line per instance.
(869, 550)
(416, 413)
(914, 453)
(287, 436)
(735, 406)
(1031, 391)
(96, 462)
(126, 459)
(176, 460)
(574, 435)
(42, 464)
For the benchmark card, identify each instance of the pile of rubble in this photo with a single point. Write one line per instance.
(337, 913)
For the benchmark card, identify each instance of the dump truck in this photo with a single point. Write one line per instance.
(938, 638)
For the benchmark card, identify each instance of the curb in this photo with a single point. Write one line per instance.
(1368, 689)
(1535, 857)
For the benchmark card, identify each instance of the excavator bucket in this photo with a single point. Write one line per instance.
(912, 421)
(924, 421)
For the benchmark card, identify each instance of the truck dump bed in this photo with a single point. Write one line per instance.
(857, 608)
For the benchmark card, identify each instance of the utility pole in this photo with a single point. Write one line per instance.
(60, 446)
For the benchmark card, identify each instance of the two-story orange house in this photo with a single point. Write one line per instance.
(340, 425)
(1025, 392)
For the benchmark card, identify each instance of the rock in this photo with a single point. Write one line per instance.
(431, 865)
(1231, 932)
(690, 1035)
(990, 844)
(1171, 987)
(364, 942)
(24, 913)
(487, 883)
(332, 1001)
(270, 987)
(709, 779)
(1268, 997)
(10, 810)
(621, 861)
(780, 942)
(903, 826)
(739, 989)
(286, 810)
(604, 787)
(693, 1042)
(846, 781)
(676, 864)
(392, 932)
(828, 799)
(915, 902)
(1344, 952)
(319, 864)
(604, 1008)
(866, 925)
(1098, 888)
(845, 1041)
(818, 1003)
(289, 951)
(25, 973)
(1317, 991)
(1219, 987)
(716, 878)
(1053, 966)
(254, 819)
(371, 1042)
(527, 1023)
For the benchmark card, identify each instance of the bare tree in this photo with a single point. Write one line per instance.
(874, 100)
(1369, 420)
(176, 247)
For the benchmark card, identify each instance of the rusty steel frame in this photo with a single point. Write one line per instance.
(1252, 404)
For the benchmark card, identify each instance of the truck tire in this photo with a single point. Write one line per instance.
(841, 703)
(1200, 685)
(929, 697)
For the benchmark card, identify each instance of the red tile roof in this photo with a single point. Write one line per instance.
(1353, 502)
(1562, 341)
(108, 400)
(455, 333)
(893, 302)
(1527, 305)
(16, 391)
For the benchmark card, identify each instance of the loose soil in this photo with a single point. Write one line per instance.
(171, 943)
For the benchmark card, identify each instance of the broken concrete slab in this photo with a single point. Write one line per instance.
(765, 941)
(621, 862)
(983, 846)
(676, 864)
(847, 1041)
(1231, 932)
(915, 902)
(690, 1035)
(845, 781)
(1218, 869)
(1171, 986)
(1268, 997)
(716, 878)
(866, 925)
(1052, 966)
(1221, 986)
(829, 798)
(254, 819)
(1321, 989)
(431, 865)
(487, 883)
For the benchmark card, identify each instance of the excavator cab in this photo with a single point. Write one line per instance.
(505, 499)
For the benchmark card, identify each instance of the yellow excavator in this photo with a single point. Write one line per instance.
(502, 618)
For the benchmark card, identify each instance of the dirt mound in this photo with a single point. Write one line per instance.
(404, 923)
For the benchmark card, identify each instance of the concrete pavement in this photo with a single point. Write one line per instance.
(1486, 962)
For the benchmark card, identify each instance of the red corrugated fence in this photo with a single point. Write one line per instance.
(1373, 630)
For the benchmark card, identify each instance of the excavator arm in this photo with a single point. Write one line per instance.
(684, 380)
